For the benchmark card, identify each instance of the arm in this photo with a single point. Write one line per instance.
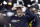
(30, 13)
(37, 21)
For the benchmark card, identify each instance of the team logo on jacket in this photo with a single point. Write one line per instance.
(15, 21)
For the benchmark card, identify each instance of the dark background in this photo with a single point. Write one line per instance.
(14, 1)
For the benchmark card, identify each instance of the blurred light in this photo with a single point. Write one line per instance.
(36, 0)
(14, 21)
(15, 15)
(39, 6)
(28, 5)
(9, 3)
(19, 0)
(10, 13)
(32, 0)
(4, 2)
(38, 12)
(4, 14)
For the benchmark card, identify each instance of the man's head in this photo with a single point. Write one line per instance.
(19, 11)
(34, 8)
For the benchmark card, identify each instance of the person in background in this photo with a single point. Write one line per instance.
(34, 9)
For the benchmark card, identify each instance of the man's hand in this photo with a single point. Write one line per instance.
(13, 8)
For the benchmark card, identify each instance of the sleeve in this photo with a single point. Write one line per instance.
(37, 21)
(30, 13)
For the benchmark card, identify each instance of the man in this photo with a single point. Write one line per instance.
(34, 9)
(21, 20)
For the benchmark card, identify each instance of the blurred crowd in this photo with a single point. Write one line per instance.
(19, 13)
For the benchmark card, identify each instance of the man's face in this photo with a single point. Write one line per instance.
(19, 11)
(34, 10)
